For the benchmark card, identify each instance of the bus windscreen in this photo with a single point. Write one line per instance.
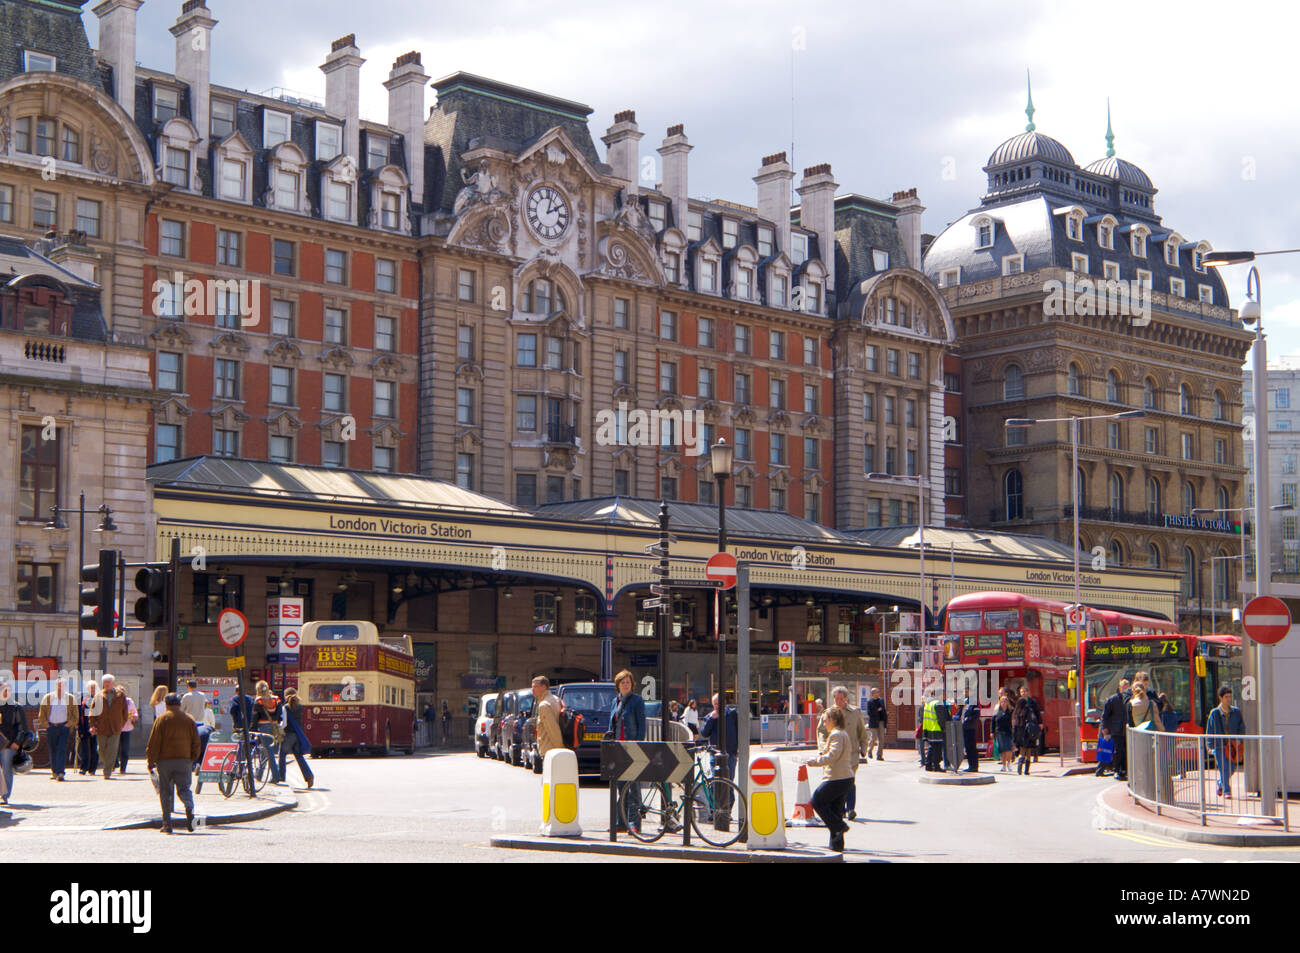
(324, 693)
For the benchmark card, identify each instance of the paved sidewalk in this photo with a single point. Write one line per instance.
(125, 802)
(1117, 810)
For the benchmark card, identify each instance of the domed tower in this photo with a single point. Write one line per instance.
(1133, 192)
(1027, 162)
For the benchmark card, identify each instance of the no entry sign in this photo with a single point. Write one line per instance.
(1266, 620)
(762, 771)
(721, 567)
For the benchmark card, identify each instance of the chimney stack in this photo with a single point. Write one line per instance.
(817, 214)
(117, 47)
(193, 32)
(405, 85)
(674, 151)
(773, 180)
(342, 69)
(909, 225)
(622, 149)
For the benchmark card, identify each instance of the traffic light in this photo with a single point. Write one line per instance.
(100, 597)
(154, 586)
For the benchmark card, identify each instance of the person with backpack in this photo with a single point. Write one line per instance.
(547, 709)
(1027, 729)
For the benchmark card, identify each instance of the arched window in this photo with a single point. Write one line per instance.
(542, 297)
(1116, 493)
(1153, 498)
(1150, 394)
(1013, 493)
(1112, 387)
(1075, 380)
(1220, 406)
(1222, 497)
(1116, 553)
(1013, 383)
(1189, 573)
(1185, 400)
(1083, 487)
(1153, 556)
(1189, 498)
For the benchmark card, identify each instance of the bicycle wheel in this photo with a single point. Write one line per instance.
(261, 769)
(724, 821)
(229, 775)
(658, 813)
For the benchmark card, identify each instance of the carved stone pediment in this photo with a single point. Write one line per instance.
(228, 417)
(814, 425)
(171, 411)
(337, 358)
(624, 392)
(173, 335)
(386, 365)
(230, 343)
(815, 482)
(468, 441)
(669, 402)
(284, 351)
(559, 458)
(670, 467)
(386, 434)
(617, 261)
(283, 424)
(468, 370)
(779, 419)
(743, 413)
(779, 479)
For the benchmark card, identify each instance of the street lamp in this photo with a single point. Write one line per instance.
(722, 456)
(106, 525)
(1251, 312)
(1214, 588)
(1024, 422)
(920, 533)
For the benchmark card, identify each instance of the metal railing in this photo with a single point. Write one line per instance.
(1185, 772)
(676, 731)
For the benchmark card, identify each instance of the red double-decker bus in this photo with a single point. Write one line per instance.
(1018, 640)
(1188, 668)
(1124, 623)
(358, 689)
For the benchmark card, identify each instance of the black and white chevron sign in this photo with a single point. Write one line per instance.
(662, 761)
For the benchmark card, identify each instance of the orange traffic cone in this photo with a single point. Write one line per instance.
(804, 815)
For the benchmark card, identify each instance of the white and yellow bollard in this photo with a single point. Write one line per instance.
(560, 794)
(766, 804)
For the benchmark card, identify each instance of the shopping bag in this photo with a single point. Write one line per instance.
(1105, 750)
(991, 749)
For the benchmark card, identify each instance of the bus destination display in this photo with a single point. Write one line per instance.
(1123, 650)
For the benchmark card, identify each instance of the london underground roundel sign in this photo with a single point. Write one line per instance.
(1266, 620)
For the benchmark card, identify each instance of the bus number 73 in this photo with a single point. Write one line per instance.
(1168, 646)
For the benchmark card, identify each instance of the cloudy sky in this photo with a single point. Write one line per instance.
(893, 95)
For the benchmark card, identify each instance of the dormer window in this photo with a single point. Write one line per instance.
(1171, 251)
(984, 235)
(673, 267)
(275, 128)
(222, 122)
(176, 167)
(798, 249)
(1110, 270)
(338, 200)
(730, 233)
(765, 241)
(949, 277)
(812, 297)
(658, 216)
(1198, 256)
(778, 291)
(1205, 293)
(376, 151)
(880, 259)
(166, 104)
(1178, 287)
(1106, 233)
(708, 275)
(234, 165)
(329, 141)
(1074, 227)
(389, 206)
(286, 190)
(35, 61)
(388, 203)
(1013, 264)
(1138, 243)
(694, 226)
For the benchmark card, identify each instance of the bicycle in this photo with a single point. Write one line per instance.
(708, 796)
(235, 766)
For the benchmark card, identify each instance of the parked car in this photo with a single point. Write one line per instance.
(506, 706)
(595, 700)
(512, 726)
(486, 713)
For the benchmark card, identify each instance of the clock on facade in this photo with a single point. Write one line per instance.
(548, 212)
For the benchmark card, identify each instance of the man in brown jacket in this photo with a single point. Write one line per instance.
(547, 708)
(106, 720)
(856, 729)
(173, 749)
(58, 718)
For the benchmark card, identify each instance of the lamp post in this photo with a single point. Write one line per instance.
(1214, 589)
(106, 525)
(1024, 422)
(920, 534)
(722, 457)
(1251, 312)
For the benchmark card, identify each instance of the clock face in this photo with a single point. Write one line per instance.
(548, 212)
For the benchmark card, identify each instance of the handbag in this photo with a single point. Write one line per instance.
(991, 749)
(1106, 751)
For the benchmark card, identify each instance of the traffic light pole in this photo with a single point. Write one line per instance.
(173, 585)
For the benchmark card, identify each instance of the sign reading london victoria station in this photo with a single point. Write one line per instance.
(421, 528)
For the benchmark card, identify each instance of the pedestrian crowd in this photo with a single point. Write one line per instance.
(93, 733)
